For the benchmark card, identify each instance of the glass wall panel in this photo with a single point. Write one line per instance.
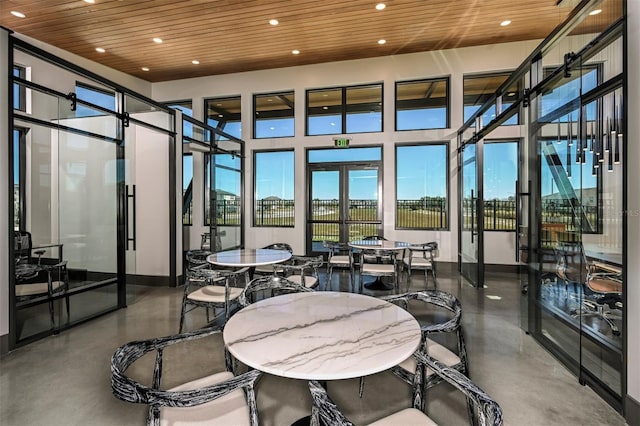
(479, 88)
(324, 112)
(224, 114)
(500, 168)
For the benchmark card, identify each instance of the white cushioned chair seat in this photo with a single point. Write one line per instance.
(379, 268)
(436, 351)
(36, 288)
(264, 269)
(406, 417)
(309, 281)
(214, 293)
(231, 409)
(418, 262)
(339, 260)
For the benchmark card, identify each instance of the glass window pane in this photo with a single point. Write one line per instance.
(225, 114)
(274, 115)
(500, 175)
(422, 104)
(324, 112)
(273, 188)
(344, 155)
(364, 109)
(478, 89)
(421, 186)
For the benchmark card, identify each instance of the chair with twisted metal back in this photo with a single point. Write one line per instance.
(220, 398)
(370, 266)
(268, 286)
(340, 256)
(211, 288)
(270, 269)
(303, 270)
(421, 256)
(446, 305)
(601, 284)
(324, 410)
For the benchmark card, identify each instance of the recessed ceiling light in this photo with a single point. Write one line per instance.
(100, 49)
(595, 12)
(157, 40)
(380, 6)
(18, 14)
(325, 107)
(295, 51)
(195, 62)
(505, 23)
(273, 21)
(492, 297)
(90, 1)
(382, 41)
(220, 115)
(144, 69)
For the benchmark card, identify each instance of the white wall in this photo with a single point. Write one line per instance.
(633, 208)
(455, 62)
(136, 84)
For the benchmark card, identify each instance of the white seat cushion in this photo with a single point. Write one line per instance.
(436, 351)
(214, 294)
(418, 262)
(406, 417)
(231, 409)
(264, 269)
(378, 268)
(340, 260)
(36, 288)
(309, 281)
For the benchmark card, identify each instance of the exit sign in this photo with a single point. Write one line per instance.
(341, 142)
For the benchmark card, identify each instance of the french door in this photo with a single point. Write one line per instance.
(344, 203)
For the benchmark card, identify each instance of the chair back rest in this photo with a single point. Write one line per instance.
(22, 245)
(488, 411)
(571, 264)
(197, 258)
(280, 246)
(374, 238)
(438, 298)
(268, 286)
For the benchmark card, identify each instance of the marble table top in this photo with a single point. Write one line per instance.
(322, 335)
(379, 244)
(248, 257)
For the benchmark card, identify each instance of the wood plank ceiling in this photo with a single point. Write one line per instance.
(228, 36)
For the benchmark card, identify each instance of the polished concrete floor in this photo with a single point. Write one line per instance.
(64, 379)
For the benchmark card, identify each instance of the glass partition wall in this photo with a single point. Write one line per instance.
(570, 199)
(78, 153)
(214, 197)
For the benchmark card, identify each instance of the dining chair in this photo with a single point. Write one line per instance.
(447, 304)
(421, 257)
(378, 258)
(303, 270)
(340, 256)
(268, 286)
(210, 288)
(601, 286)
(270, 269)
(43, 281)
(324, 410)
(217, 399)
(371, 267)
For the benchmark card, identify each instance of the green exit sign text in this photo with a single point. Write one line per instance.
(341, 142)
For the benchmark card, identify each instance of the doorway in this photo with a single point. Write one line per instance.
(344, 200)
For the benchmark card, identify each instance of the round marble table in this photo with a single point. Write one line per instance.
(248, 257)
(381, 245)
(322, 335)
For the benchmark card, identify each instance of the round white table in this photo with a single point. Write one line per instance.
(248, 257)
(322, 335)
(381, 245)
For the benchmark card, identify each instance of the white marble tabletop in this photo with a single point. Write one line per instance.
(379, 244)
(248, 257)
(322, 335)
(607, 254)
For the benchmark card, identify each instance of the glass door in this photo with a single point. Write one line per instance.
(344, 204)
(470, 256)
